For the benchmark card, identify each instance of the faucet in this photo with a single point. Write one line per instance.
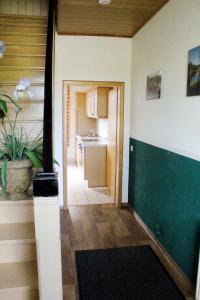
(92, 133)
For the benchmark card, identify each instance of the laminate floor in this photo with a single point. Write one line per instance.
(78, 191)
(98, 227)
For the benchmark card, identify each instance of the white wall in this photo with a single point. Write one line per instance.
(91, 58)
(102, 128)
(173, 122)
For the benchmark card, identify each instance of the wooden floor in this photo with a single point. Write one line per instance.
(95, 227)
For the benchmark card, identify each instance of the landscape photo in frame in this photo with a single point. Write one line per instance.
(193, 80)
(153, 91)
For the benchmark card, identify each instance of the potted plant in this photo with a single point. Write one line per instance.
(18, 154)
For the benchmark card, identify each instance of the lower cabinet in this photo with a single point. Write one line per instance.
(95, 165)
(92, 160)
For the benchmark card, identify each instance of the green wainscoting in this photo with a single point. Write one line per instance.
(164, 189)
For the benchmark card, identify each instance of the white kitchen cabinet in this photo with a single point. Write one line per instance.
(91, 104)
(97, 103)
(83, 123)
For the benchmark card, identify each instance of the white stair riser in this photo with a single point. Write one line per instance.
(16, 214)
(17, 252)
(20, 295)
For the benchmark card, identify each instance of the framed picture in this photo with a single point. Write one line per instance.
(153, 91)
(193, 80)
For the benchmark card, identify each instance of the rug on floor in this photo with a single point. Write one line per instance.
(128, 273)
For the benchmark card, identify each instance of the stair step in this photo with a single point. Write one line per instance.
(29, 121)
(19, 35)
(21, 49)
(23, 38)
(36, 92)
(17, 251)
(19, 23)
(34, 127)
(17, 68)
(17, 242)
(26, 44)
(31, 101)
(29, 111)
(21, 295)
(15, 74)
(23, 61)
(16, 211)
(14, 83)
(17, 231)
(18, 281)
(15, 28)
(24, 20)
(24, 55)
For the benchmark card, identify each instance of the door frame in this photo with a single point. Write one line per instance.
(119, 139)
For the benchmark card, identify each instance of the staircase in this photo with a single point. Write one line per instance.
(25, 39)
(24, 57)
(18, 269)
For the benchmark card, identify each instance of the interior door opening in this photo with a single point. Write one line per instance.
(92, 142)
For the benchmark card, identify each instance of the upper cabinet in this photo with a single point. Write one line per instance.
(97, 103)
(83, 123)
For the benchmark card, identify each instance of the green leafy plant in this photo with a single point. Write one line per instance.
(15, 143)
(3, 105)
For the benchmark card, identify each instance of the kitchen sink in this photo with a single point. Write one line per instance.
(89, 139)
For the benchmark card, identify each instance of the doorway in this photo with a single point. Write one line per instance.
(93, 140)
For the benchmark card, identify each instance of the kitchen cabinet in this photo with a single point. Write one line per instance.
(95, 165)
(97, 103)
(91, 159)
(83, 123)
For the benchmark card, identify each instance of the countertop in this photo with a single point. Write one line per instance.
(96, 142)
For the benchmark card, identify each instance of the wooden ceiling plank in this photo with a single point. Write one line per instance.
(116, 4)
(120, 18)
(85, 15)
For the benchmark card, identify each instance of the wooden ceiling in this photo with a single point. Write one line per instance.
(122, 18)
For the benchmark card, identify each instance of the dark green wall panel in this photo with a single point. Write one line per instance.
(164, 189)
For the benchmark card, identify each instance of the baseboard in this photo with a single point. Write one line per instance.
(156, 245)
(124, 205)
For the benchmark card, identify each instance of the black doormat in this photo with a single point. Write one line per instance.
(129, 273)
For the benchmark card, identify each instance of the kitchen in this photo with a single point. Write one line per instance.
(91, 132)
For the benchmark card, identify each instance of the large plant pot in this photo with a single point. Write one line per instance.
(19, 174)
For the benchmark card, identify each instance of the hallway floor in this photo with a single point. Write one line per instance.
(78, 191)
(97, 227)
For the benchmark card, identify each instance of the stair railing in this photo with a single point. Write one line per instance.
(45, 190)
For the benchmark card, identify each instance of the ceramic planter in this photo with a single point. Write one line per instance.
(19, 174)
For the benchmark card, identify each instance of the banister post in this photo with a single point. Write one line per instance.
(47, 233)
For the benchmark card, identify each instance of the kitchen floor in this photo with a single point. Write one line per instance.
(78, 191)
